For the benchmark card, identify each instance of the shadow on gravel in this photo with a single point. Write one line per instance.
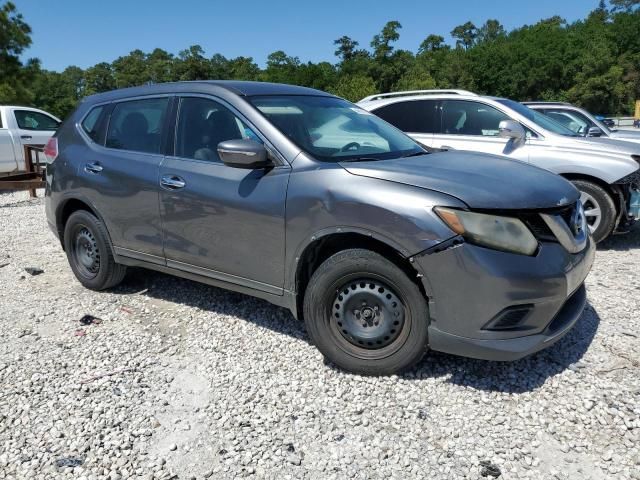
(181, 291)
(519, 376)
(511, 377)
(622, 242)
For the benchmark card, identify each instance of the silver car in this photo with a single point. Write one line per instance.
(605, 171)
(582, 122)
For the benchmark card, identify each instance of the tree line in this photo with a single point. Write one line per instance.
(593, 62)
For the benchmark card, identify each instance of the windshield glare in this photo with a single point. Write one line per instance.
(538, 118)
(332, 129)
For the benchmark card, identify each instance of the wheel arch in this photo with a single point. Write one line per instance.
(324, 246)
(68, 207)
(613, 190)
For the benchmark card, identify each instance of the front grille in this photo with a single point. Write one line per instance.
(540, 229)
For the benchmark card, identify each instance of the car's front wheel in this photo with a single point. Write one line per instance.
(89, 252)
(365, 315)
(599, 209)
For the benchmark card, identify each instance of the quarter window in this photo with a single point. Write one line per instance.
(137, 125)
(203, 124)
(29, 120)
(91, 123)
(471, 118)
(415, 116)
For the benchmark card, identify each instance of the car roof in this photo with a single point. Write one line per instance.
(375, 101)
(559, 104)
(242, 88)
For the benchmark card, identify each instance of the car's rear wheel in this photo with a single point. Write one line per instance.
(89, 252)
(599, 209)
(365, 315)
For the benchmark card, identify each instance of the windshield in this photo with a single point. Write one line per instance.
(334, 130)
(538, 118)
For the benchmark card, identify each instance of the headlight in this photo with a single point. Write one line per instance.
(500, 233)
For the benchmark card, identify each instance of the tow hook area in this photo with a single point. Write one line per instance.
(634, 204)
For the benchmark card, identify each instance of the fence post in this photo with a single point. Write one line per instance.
(28, 166)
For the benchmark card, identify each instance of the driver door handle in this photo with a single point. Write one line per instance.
(93, 167)
(172, 182)
(26, 137)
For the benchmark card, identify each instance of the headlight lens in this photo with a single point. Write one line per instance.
(500, 233)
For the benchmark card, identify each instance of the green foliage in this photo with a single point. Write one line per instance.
(594, 62)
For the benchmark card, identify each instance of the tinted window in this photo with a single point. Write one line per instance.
(203, 124)
(332, 129)
(417, 116)
(28, 120)
(470, 118)
(538, 118)
(137, 125)
(91, 123)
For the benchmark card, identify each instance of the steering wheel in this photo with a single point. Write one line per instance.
(350, 146)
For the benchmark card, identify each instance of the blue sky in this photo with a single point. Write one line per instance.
(83, 33)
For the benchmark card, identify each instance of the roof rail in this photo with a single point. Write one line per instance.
(409, 93)
(543, 102)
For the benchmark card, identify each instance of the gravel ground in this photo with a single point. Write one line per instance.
(182, 380)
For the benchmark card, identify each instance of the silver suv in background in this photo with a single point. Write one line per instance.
(606, 172)
(582, 122)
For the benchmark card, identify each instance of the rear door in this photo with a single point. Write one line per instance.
(8, 160)
(222, 222)
(474, 126)
(418, 118)
(118, 171)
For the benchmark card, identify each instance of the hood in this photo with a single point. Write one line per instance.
(480, 180)
(609, 145)
(626, 135)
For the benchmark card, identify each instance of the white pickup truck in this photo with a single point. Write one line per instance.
(20, 126)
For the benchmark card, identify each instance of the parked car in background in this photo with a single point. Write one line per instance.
(312, 203)
(606, 172)
(582, 122)
(609, 122)
(21, 126)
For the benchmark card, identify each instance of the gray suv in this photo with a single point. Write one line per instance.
(306, 200)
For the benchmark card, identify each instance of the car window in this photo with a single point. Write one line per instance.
(203, 124)
(471, 118)
(334, 130)
(569, 119)
(91, 124)
(137, 125)
(538, 118)
(29, 120)
(414, 116)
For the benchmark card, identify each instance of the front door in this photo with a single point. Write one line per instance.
(223, 222)
(474, 126)
(34, 128)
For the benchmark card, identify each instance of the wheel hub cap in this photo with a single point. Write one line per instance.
(368, 314)
(86, 251)
(592, 211)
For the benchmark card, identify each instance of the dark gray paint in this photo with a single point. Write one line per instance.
(247, 229)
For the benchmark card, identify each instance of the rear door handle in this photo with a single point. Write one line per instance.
(26, 137)
(172, 182)
(93, 167)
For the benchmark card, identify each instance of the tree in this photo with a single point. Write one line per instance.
(346, 48)
(381, 42)
(431, 44)
(465, 35)
(417, 77)
(491, 31)
(192, 64)
(15, 37)
(354, 87)
(625, 5)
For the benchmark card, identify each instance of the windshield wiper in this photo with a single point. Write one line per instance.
(361, 159)
(415, 154)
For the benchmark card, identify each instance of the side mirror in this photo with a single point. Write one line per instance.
(244, 153)
(594, 132)
(511, 129)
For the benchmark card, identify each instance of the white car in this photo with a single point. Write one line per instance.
(582, 122)
(20, 126)
(604, 170)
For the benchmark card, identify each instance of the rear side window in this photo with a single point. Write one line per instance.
(91, 123)
(137, 125)
(416, 116)
(28, 120)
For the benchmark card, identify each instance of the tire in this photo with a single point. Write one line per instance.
(89, 252)
(365, 315)
(595, 198)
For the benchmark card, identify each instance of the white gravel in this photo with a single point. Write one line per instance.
(202, 383)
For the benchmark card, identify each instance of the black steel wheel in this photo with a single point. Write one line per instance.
(89, 252)
(365, 315)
